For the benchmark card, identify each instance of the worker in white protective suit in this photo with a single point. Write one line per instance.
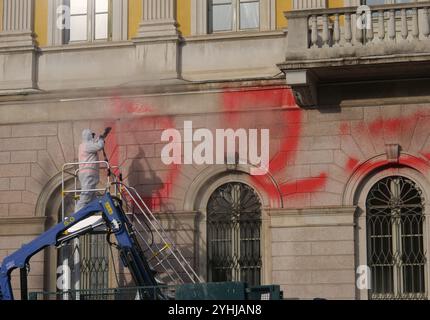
(89, 172)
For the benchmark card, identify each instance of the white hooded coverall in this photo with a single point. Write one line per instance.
(88, 173)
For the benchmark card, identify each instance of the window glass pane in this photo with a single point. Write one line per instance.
(222, 17)
(101, 26)
(78, 28)
(249, 15)
(78, 6)
(102, 6)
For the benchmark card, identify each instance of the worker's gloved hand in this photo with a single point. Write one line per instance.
(106, 133)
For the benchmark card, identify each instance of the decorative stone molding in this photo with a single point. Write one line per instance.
(393, 152)
(303, 84)
(159, 20)
(18, 23)
(362, 173)
(17, 47)
(212, 177)
(157, 41)
(306, 4)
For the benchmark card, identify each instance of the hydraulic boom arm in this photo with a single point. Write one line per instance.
(115, 220)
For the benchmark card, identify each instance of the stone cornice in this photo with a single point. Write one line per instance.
(148, 88)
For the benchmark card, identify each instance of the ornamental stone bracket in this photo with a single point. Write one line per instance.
(304, 86)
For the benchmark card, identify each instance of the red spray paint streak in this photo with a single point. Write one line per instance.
(142, 114)
(385, 127)
(241, 101)
(405, 160)
(234, 104)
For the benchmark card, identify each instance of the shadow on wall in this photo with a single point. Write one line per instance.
(147, 183)
(151, 188)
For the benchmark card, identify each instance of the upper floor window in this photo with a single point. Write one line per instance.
(90, 20)
(233, 15)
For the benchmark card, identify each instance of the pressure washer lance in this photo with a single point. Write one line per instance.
(104, 136)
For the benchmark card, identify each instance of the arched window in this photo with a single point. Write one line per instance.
(233, 234)
(87, 258)
(396, 253)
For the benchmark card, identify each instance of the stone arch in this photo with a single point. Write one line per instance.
(359, 186)
(197, 193)
(372, 166)
(48, 205)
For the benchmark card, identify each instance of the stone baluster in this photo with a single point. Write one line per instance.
(359, 32)
(404, 31)
(369, 32)
(381, 26)
(314, 31)
(336, 30)
(415, 30)
(348, 31)
(392, 26)
(425, 23)
(325, 36)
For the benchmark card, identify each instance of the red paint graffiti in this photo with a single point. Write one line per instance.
(279, 103)
(380, 129)
(277, 107)
(135, 116)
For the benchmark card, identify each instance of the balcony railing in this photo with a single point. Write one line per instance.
(321, 40)
(350, 26)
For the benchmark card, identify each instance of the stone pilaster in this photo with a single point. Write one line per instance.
(17, 47)
(159, 20)
(18, 23)
(158, 41)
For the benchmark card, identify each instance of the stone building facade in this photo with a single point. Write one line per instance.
(347, 112)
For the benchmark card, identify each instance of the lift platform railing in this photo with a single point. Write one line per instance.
(73, 168)
(163, 254)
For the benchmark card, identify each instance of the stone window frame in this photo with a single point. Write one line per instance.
(199, 17)
(196, 200)
(356, 194)
(119, 22)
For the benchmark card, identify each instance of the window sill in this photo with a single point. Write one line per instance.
(236, 35)
(87, 45)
